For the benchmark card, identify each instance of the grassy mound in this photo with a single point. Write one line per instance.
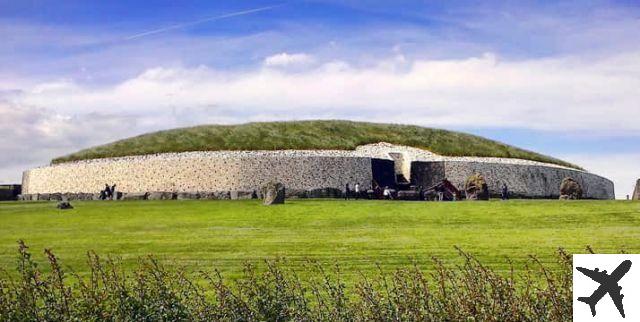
(307, 135)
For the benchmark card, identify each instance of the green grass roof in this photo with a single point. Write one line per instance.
(306, 135)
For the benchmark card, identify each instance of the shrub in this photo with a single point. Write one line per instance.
(152, 292)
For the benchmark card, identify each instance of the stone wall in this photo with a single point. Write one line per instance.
(427, 174)
(210, 171)
(300, 171)
(525, 178)
(531, 181)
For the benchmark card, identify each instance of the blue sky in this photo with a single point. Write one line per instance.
(558, 77)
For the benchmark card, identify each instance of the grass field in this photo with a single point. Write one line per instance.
(306, 135)
(356, 234)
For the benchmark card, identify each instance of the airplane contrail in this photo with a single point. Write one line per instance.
(182, 25)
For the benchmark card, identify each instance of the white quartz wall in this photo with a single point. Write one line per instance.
(223, 171)
(216, 171)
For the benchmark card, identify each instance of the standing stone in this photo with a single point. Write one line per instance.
(636, 191)
(570, 189)
(273, 193)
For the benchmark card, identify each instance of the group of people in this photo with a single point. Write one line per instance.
(387, 193)
(108, 193)
(356, 193)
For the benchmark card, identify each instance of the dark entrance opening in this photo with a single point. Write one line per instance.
(384, 173)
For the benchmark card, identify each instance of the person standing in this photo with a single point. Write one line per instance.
(357, 190)
(113, 193)
(440, 191)
(107, 191)
(505, 192)
(347, 191)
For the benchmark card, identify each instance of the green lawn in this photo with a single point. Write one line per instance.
(357, 234)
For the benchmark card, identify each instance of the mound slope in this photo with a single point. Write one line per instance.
(306, 135)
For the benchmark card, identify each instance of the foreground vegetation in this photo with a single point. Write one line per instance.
(154, 293)
(307, 135)
(199, 234)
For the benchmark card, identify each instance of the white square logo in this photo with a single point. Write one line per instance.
(606, 287)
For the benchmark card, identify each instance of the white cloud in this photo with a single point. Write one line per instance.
(31, 136)
(566, 94)
(284, 59)
(551, 94)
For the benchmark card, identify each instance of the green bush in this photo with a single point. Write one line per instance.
(468, 292)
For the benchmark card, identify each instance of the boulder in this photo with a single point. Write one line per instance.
(476, 188)
(135, 196)
(64, 205)
(161, 195)
(570, 189)
(273, 193)
(636, 191)
(187, 195)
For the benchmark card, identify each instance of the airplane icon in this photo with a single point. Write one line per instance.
(608, 284)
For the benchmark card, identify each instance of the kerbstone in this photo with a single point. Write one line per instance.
(135, 196)
(187, 195)
(158, 195)
(274, 193)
